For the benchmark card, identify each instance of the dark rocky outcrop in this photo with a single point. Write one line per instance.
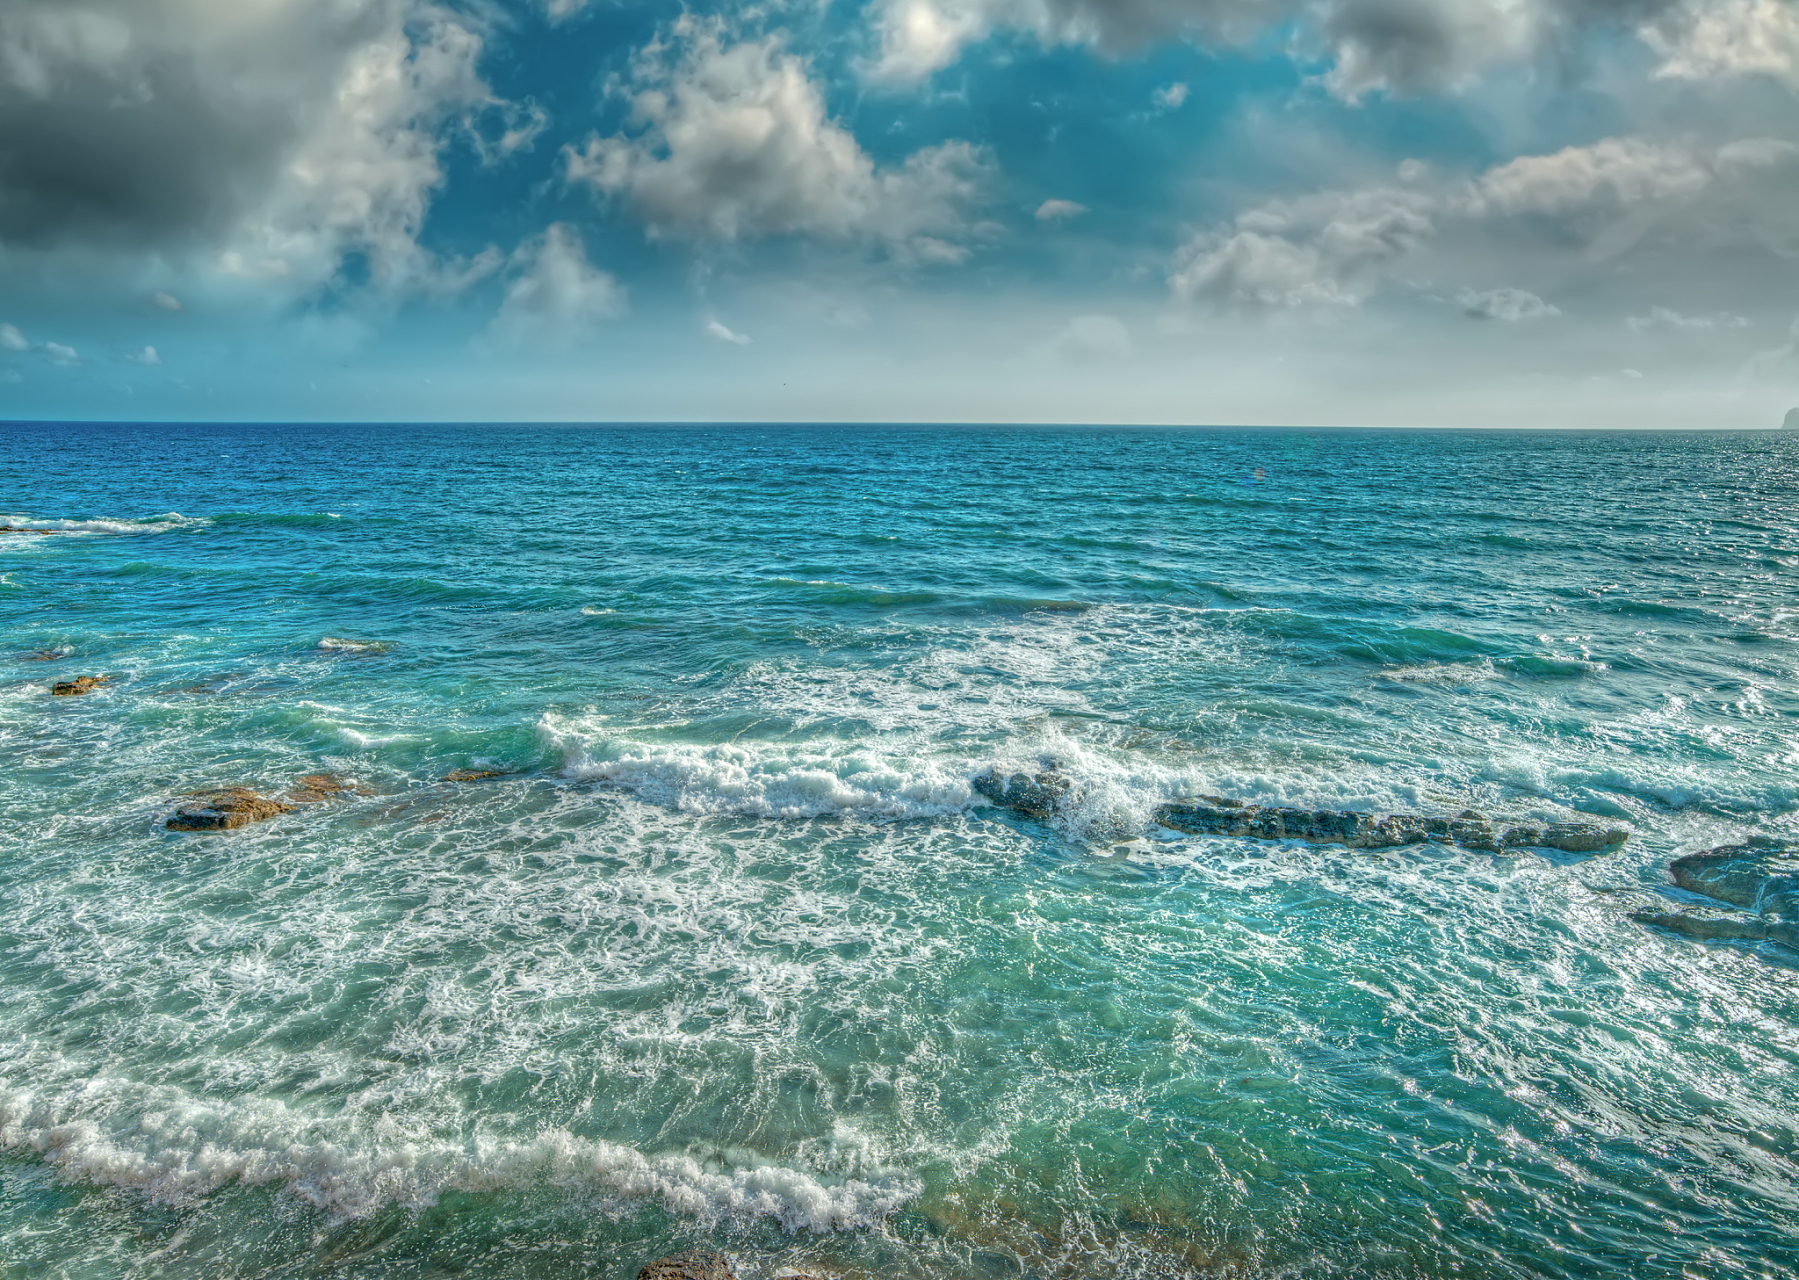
(17, 528)
(474, 775)
(225, 809)
(1044, 794)
(690, 1264)
(1036, 795)
(1759, 878)
(1215, 816)
(80, 684)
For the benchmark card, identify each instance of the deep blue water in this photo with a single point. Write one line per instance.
(733, 955)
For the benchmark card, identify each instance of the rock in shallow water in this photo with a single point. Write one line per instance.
(225, 810)
(691, 1264)
(1215, 816)
(1034, 795)
(1760, 878)
(80, 684)
(1043, 794)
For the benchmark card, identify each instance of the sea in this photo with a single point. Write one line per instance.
(711, 943)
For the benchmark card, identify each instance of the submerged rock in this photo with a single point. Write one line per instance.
(80, 684)
(18, 528)
(690, 1264)
(1759, 878)
(475, 775)
(1760, 875)
(225, 809)
(1216, 816)
(1036, 795)
(315, 787)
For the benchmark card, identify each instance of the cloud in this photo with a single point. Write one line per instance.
(1171, 97)
(732, 142)
(1059, 210)
(557, 295)
(147, 356)
(1665, 318)
(562, 10)
(11, 339)
(1581, 204)
(1726, 38)
(723, 334)
(56, 353)
(1512, 305)
(166, 301)
(277, 137)
(1396, 45)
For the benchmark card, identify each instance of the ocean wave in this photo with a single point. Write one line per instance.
(825, 591)
(167, 523)
(338, 644)
(812, 781)
(176, 1148)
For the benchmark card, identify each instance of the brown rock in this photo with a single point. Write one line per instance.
(14, 528)
(690, 1264)
(80, 684)
(44, 655)
(474, 775)
(225, 810)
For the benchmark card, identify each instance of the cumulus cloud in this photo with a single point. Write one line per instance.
(726, 334)
(280, 136)
(557, 295)
(1726, 38)
(147, 356)
(11, 339)
(731, 141)
(1400, 45)
(57, 353)
(1335, 248)
(1511, 305)
(166, 301)
(1059, 210)
(1171, 97)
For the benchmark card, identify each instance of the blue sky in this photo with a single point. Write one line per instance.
(1384, 212)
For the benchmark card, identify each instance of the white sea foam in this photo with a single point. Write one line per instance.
(338, 644)
(176, 1148)
(153, 524)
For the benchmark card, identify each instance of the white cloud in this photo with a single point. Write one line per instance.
(1726, 38)
(11, 339)
(562, 10)
(166, 301)
(1593, 203)
(1507, 304)
(1666, 318)
(56, 353)
(733, 143)
(557, 295)
(1396, 45)
(725, 334)
(147, 356)
(1059, 210)
(1171, 97)
(1325, 250)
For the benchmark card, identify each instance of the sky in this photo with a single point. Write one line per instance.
(1458, 213)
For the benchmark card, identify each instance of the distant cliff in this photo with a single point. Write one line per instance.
(1792, 420)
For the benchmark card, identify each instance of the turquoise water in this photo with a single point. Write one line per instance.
(733, 955)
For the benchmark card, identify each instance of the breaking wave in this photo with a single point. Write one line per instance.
(176, 1148)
